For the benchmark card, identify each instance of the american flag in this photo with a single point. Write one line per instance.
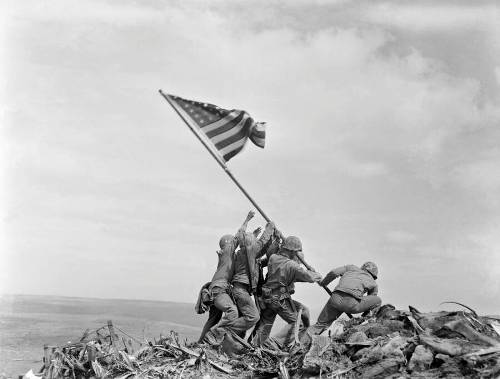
(227, 130)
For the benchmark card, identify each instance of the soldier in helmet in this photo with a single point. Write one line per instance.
(348, 295)
(219, 287)
(283, 271)
(246, 276)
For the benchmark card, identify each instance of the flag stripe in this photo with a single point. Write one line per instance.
(260, 142)
(231, 132)
(217, 124)
(228, 156)
(241, 134)
(258, 134)
(225, 127)
(236, 145)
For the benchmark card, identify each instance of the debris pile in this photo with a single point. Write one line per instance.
(398, 344)
(388, 344)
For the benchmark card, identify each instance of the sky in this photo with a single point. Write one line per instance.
(382, 143)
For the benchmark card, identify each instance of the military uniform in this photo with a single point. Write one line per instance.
(276, 299)
(348, 295)
(246, 276)
(223, 309)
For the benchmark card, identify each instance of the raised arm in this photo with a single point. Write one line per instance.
(243, 227)
(264, 239)
(240, 235)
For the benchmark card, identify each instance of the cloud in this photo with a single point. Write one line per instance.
(487, 242)
(400, 237)
(442, 17)
(78, 12)
(481, 176)
(371, 150)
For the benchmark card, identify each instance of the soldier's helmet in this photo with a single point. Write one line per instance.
(228, 238)
(292, 243)
(371, 268)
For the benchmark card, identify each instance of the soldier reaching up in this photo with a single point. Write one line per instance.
(219, 288)
(246, 276)
(242, 314)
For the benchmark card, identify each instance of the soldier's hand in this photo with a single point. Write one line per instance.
(250, 215)
(271, 225)
(322, 282)
(257, 231)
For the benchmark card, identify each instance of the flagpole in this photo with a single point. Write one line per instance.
(217, 158)
(230, 174)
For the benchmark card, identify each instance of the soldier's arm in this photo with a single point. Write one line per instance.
(334, 274)
(243, 227)
(264, 239)
(303, 275)
(240, 234)
(373, 290)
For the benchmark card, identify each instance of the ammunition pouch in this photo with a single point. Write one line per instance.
(202, 303)
(206, 298)
(275, 297)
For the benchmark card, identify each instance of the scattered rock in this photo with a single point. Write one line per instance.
(421, 359)
(395, 346)
(382, 369)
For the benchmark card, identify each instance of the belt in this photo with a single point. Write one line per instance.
(347, 293)
(280, 292)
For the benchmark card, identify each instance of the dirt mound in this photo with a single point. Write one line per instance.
(389, 344)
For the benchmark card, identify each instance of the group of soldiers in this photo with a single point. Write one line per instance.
(239, 276)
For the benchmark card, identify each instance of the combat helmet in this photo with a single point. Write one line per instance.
(292, 243)
(371, 268)
(228, 238)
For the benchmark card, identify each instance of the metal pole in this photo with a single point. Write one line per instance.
(218, 159)
(229, 173)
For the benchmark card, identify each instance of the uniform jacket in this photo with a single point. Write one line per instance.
(354, 281)
(245, 260)
(224, 272)
(283, 272)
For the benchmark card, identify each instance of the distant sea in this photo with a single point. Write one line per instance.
(28, 322)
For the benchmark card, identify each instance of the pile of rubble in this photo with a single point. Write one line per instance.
(388, 344)
(398, 344)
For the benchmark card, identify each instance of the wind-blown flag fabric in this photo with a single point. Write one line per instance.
(227, 130)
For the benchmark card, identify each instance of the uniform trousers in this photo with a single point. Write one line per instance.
(286, 308)
(339, 303)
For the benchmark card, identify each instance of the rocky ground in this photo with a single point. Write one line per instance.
(388, 344)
